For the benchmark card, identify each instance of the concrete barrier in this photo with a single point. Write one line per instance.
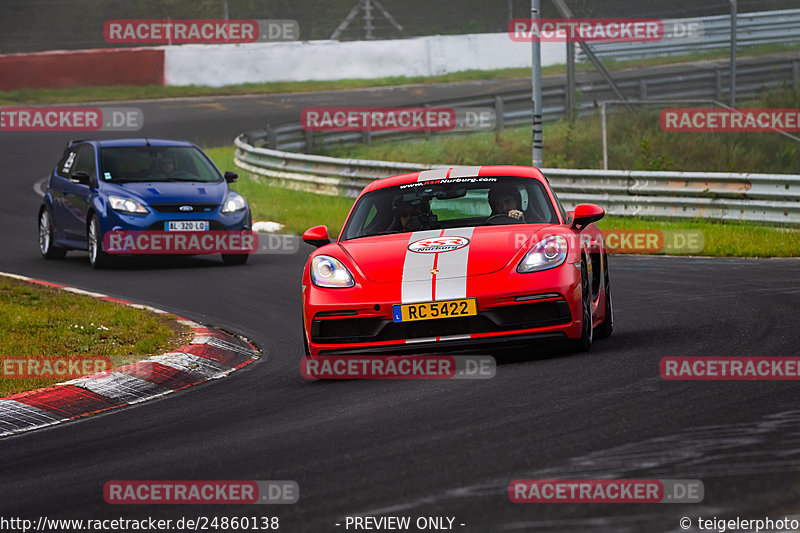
(217, 65)
(82, 68)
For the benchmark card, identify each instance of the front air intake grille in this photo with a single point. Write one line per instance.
(512, 317)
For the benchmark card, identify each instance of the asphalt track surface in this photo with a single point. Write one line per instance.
(418, 448)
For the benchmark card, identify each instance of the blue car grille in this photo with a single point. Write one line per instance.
(176, 207)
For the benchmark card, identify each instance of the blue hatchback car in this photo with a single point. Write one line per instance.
(135, 185)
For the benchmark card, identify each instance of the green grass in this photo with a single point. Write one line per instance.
(297, 210)
(117, 93)
(43, 321)
(721, 239)
(635, 142)
(126, 92)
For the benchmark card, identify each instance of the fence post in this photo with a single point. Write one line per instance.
(643, 89)
(427, 131)
(309, 141)
(718, 85)
(605, 134)
(795, 74)
(570, 89)
(272, 141)
(499, 111)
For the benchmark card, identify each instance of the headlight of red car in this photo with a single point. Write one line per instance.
(329, 272)
(548, 253)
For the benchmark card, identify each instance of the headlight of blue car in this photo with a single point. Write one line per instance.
(127, 205)
(233, 203)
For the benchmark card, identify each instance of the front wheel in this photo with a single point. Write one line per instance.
(585, 342)
(46, 246)
(97, 257)
(604, 330)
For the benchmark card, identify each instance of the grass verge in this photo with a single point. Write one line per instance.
(721, 239)
(635, 141)
(44, 321)
(116, 93)
(297, 210)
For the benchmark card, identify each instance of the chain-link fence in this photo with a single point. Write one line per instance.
(36, 25)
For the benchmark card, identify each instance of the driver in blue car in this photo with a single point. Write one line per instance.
(167, 165)
(505, 199)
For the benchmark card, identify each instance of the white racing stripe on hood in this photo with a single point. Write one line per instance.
(416, 266)
(451, 281)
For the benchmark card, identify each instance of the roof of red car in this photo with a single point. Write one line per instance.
(456, 172)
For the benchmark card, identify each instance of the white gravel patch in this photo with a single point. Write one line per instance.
(267, 226)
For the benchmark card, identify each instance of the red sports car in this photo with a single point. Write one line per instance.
(457, 258)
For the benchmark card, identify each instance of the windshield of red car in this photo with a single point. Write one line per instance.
(460, 202)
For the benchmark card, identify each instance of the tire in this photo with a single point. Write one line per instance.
(46, 246)
(94, 240)
(235, 259)
(585, 342)
(605, 329)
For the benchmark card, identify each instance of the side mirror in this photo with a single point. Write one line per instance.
(317, 236)
(80, 177)
(231, 176)
(585, 214)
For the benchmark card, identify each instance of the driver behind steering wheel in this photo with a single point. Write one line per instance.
(412, 215)
(506, 200)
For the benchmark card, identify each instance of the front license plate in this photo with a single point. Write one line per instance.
(186, 225)
(435, 310)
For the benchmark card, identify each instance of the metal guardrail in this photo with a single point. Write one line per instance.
(771, 198)
(766, 198)
(752, 29)
(512, 108)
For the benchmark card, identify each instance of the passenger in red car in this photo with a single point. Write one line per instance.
(412, 216)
